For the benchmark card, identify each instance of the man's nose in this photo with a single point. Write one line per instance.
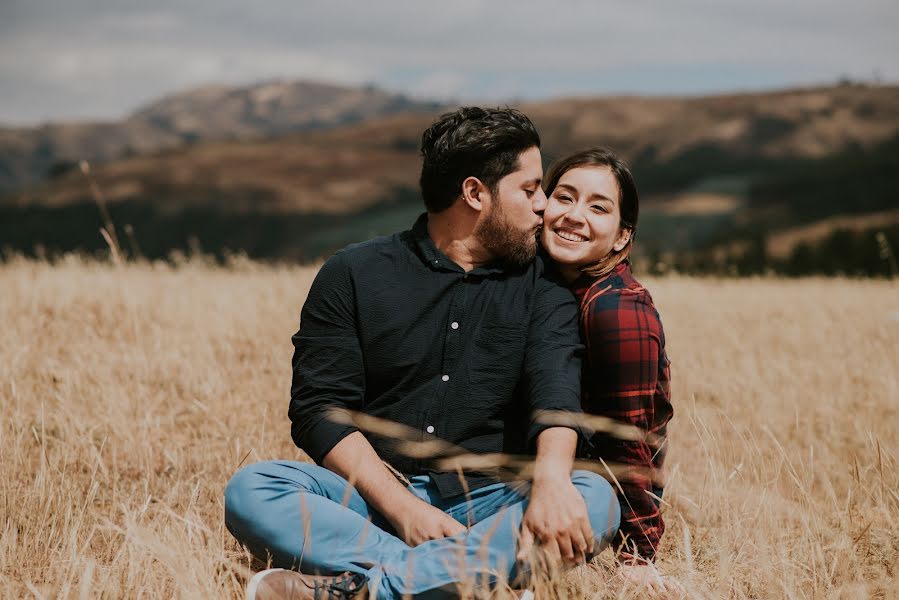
(539, 201)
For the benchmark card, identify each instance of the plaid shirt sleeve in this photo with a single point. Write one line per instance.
(627, 376)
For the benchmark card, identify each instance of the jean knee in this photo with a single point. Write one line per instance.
(602, 504)
(239, 491)
(249, 487)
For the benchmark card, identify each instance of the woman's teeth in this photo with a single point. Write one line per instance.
(570, 236)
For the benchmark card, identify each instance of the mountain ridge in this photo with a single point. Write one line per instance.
(29, 155)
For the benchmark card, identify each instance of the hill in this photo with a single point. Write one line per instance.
(717, 176)
(215, 112)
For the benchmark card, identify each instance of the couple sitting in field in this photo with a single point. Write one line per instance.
(473, 345)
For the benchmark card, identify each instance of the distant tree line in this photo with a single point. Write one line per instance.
(786, 194)
(779, 195)
(868, 253)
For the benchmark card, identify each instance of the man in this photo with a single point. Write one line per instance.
(452, 332)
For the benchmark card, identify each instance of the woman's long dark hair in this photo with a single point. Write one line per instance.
(628, 200)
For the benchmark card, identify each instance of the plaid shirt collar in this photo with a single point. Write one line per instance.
(584, 283)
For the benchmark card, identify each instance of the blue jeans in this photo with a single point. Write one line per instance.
(308, 518)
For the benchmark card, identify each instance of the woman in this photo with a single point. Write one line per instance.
(588, 231)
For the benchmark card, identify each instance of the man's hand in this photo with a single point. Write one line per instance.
(415, 521)
(557, 514)
(556, 517)
(420, 522)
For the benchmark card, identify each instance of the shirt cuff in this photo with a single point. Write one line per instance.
(558, 417)
(318, 439)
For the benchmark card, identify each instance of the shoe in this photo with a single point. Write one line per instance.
(281, 584)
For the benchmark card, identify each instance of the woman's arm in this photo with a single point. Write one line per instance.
(625, 343)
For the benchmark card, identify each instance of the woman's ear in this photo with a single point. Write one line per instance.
(623, 238)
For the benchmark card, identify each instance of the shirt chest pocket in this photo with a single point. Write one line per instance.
(496, 361)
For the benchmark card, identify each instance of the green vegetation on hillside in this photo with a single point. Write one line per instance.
(794, 182)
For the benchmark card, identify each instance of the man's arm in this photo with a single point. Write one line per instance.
(354, 459)
(328, 367)
(556, 513)
(552, 362)
(329, 378)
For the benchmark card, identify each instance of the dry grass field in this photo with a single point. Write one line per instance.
(130, 395)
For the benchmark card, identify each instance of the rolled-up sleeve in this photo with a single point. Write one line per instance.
(328, 370)
(552, 365)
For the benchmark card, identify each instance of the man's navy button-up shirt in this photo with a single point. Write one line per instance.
(394, 329)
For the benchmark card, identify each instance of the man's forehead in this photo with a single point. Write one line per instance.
(532, 154)
(525, 176)
(530, 166)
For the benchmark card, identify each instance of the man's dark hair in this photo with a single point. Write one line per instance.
(472, 142)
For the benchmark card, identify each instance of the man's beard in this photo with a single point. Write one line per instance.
(504, 241)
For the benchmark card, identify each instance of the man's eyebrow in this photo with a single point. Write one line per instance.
(534, 181)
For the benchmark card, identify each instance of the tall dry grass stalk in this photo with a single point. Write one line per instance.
(130, 395)
(108, 230)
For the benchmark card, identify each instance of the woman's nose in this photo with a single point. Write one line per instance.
(574, 214)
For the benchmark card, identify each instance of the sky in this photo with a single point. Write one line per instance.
(102, 59)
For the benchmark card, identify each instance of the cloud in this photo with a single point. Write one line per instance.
(441, 84)
(101, 58)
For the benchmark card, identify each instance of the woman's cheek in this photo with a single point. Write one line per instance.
(553, 211)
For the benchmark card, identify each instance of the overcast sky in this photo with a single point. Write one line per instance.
(100, 59)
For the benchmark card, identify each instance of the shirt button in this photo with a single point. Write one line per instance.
(430, 429)
(454, 325)
(445, 378)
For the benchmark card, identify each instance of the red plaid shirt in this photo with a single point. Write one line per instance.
(626, 378)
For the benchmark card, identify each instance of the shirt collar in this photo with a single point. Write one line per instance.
(584, 282)
(437, 260)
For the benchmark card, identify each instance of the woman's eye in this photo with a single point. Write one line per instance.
(564, 198)
(599, 208)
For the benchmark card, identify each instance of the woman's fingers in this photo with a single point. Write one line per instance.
(646, 578)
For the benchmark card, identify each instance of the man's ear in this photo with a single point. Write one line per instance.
(474, 193)
(623, 238)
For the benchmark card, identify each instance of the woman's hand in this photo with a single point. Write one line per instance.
(647, 580)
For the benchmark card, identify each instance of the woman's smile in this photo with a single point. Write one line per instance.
(571, 236)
